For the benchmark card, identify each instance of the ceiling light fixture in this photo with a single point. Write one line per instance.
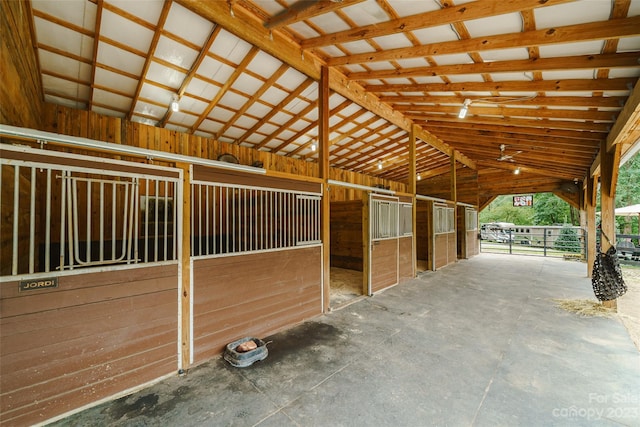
(380, 164)
(313, 147)
(418, 177)
(465, 107)
(517, 171)
(175, 106)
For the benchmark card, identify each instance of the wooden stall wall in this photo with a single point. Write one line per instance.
(424, 234)
(92, 336)
(384, 264)
(253, 295)
(21, 91)
(346, 235)
(405, 262)
(461, 232)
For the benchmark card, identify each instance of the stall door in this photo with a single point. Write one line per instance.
(383, 243)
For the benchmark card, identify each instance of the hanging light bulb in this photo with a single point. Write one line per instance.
(465, 108)
(313, 147)
(418, 177)
(175, 106)
(379, 164)
(517, 171)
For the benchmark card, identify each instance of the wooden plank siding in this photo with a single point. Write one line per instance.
(253, 295)
(384, 264)
(346, 239)
(93, 336)
(406, 256)
(424, 231)
(21, 91)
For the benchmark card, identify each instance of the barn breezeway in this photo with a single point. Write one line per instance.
(459, 346)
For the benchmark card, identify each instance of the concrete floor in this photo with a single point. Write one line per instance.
(479, 343)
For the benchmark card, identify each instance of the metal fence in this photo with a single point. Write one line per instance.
(552, 241)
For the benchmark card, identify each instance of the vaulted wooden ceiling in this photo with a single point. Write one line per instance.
(544, 81)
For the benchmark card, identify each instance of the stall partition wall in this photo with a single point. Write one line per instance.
(256, 256)
(444, 235)
(424, 234)
(89, 284)
(467, 232)
(390, 234)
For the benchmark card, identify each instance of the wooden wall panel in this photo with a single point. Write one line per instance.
(93, 336)
(452, 251)
(472, 243)
(406, 255)
(346, 235)
(441, 250)
(384, 264)
(21, 91)
(424, 232)
(253, 295)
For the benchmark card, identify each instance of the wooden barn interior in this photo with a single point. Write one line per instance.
(179, 174)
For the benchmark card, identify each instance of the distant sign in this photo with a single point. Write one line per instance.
(526, 200)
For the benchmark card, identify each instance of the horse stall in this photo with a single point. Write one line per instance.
(346, 252)
(390, 257)
(435, 233)
(89, 300)
(467, 231)
(256, 256)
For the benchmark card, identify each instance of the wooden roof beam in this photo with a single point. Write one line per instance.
(610, 60)
(616, 102)
(447, 15)
(244, 25)
(306, 9)
(610, 29)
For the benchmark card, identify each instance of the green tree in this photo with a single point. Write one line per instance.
(628, 193)
(567, 241)
(502, 210)
(550, 209)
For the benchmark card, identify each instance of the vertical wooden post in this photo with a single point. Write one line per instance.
(185, 266)
(454, 197)
(413, 190)
(323, 160)
(609, 163)
(366, 243)
(590, 208)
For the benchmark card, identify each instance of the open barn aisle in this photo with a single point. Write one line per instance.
(478, 343)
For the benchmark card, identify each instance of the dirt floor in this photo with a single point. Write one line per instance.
(346, 286)
(629, 303)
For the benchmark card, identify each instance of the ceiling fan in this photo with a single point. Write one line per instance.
(504, 156)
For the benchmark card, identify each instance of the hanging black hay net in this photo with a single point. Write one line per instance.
(606, 277)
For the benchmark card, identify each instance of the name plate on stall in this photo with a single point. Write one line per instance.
(31, 285)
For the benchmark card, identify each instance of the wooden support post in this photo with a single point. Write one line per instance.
(184, 255)
(609, 163)
(413, 190)
(323, 159)
(590, 208)
(454, 195)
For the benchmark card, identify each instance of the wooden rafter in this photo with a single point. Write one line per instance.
(306, 9)
(585, 85)
(445, 16)
(202, 54)
(149, 56)
(607, 60)
(568, 34)
(223, 90)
